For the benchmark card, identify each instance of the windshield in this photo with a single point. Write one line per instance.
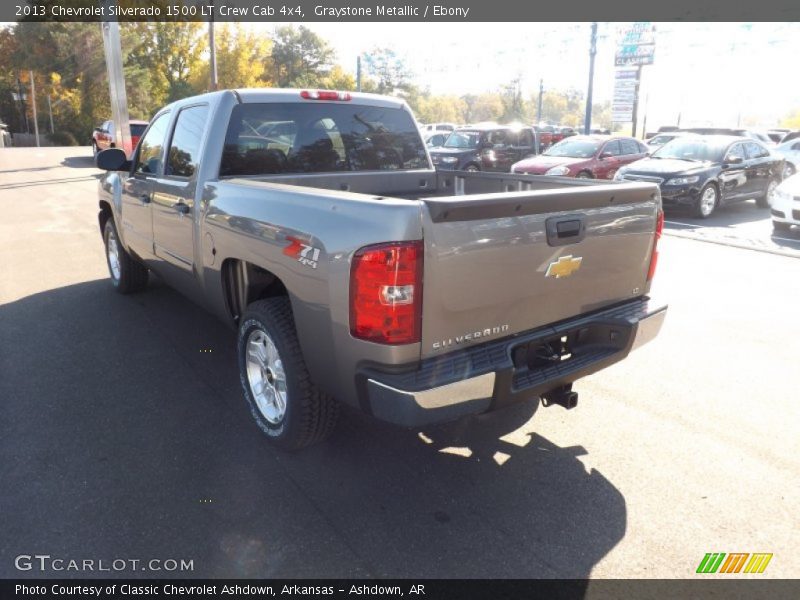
(691, 149)
(462, 139)
(574, 149)
(660, 140)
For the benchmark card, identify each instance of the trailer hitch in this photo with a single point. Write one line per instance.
(562, 395)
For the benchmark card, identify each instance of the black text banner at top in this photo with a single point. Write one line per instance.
(408, 11)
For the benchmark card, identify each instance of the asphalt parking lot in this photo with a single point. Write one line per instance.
(124, 434)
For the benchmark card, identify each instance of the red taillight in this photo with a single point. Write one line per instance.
(654, 256)
(386, 293)
(324, 95)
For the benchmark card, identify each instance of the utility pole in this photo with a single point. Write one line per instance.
(635, 115)
(539, 107)
(358, 73)
(35, 119)
(50, 108)
(23, 108)
(213, 48)
(587, 124)
(116, 86)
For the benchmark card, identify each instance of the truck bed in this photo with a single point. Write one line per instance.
(493, 245)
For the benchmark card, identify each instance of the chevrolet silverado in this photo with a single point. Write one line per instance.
(315, 224)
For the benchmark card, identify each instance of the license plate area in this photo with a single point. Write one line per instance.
(565, 347)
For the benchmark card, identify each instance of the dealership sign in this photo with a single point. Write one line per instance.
(626, 81)
(636, 45)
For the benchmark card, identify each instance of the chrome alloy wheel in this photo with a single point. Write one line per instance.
(708, 201)
(771, 189)
(266, 377)
(112, 254)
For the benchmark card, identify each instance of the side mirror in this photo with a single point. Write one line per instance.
(112, 159)
(734, 160)
(604, 155)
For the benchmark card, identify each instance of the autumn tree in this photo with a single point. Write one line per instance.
(241, 59)
(299, 58)
(388, 70)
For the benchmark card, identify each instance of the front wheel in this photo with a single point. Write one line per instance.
(284, 402)
(126, 274)
(707, 202)
(763, 201)
(472, 168)
(94, 149)
(584, 175)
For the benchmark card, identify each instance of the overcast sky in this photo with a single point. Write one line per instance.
(710, 72)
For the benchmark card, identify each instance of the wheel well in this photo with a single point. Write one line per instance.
(244, 282)
(105, 214)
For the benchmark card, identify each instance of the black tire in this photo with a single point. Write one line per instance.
(699, 210)
(309, 414)
(763, 201)
(472, 168)
(132, 275)
(94, 149)
(781, 227)
(584, 175)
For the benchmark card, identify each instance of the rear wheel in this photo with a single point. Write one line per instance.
(707, 202)
(584, 175)
(284, 402)
(472, 168)
(127, 275)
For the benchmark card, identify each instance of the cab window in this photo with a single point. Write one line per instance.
(148, 160)
(184, 149)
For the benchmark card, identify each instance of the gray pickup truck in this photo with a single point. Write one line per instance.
(313, 222)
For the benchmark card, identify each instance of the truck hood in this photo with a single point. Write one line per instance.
(540, 164)
(441, 151)
(666, 166)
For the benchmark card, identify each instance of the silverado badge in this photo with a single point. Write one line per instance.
(564, 266)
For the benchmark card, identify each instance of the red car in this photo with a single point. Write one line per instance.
(104, 137)
(584, 156)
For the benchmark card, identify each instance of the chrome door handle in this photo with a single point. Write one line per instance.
(145, 198)
(181, 208)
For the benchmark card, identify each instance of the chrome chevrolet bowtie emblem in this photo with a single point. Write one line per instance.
(564, 266)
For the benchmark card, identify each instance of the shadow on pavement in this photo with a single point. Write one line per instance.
(124, 435)
(79, 162)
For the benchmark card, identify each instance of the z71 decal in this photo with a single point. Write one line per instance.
(305, 254)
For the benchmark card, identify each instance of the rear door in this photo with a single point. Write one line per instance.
(137, 190)
(758, 167)
(609, 160)
(174, 191)
(733, 178)
(631, 151)
(499, 264)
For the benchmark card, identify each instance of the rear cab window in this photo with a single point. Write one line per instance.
(290, 138)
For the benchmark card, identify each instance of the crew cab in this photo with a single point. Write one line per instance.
(353, 272)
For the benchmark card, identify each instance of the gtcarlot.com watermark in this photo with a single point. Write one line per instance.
(44, 563)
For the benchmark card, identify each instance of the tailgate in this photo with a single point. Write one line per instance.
(499, 264)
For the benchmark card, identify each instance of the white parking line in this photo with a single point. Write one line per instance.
(785, 239)
(679, 223)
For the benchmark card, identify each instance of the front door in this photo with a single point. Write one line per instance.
(174, 192)
(137, 189)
